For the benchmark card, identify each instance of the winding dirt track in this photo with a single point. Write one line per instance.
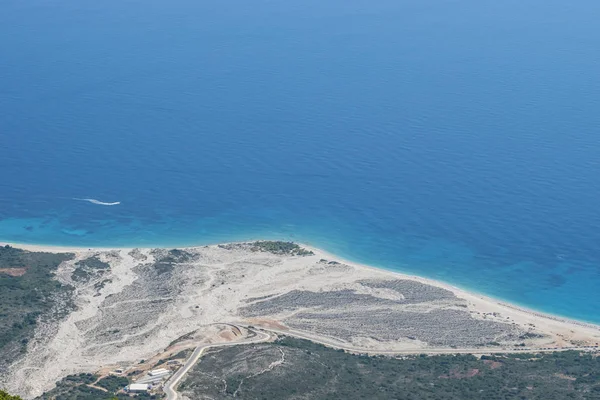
(266, 334)
(170, 387)
(473, 350)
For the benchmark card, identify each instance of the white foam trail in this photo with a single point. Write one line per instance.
(101, 203)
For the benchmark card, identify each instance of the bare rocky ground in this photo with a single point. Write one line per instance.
(403, 310)
(145, 299)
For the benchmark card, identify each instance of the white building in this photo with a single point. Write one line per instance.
(159, 372)
(138, 387)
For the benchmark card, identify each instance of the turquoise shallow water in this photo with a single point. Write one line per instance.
(458, 140)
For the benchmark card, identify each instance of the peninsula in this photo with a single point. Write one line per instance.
(131, 310)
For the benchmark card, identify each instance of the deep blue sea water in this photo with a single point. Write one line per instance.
(454, 139)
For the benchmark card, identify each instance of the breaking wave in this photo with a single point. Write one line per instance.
(101, 203)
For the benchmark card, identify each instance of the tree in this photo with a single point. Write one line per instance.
(6, 396)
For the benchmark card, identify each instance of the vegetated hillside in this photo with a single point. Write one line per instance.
(298, 369)
(92, 387)
(27, 291)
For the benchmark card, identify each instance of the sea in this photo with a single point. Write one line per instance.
(457, 140)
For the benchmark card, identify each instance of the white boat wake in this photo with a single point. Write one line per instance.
(101, 203)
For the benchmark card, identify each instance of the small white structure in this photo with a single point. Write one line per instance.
(152, 379)
(159, 372)
(138, 387)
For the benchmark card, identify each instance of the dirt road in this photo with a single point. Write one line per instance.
(170, 387)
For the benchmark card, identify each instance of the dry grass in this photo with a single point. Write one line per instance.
(13, 271)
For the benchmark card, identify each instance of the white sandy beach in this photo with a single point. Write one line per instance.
(486, 304)
(483, 303)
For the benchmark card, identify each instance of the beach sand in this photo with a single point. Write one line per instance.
(552, 324)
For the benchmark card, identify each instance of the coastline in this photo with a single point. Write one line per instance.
(160, 295)
(481, 301)
(461, 292)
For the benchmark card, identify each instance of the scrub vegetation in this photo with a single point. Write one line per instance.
(89, 268)
(298, 369)
(27, 292)
(6, 396)
(280, 248)
(90, 387)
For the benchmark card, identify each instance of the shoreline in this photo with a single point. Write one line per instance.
(461, 292)
(160, 296)
(479, 299)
